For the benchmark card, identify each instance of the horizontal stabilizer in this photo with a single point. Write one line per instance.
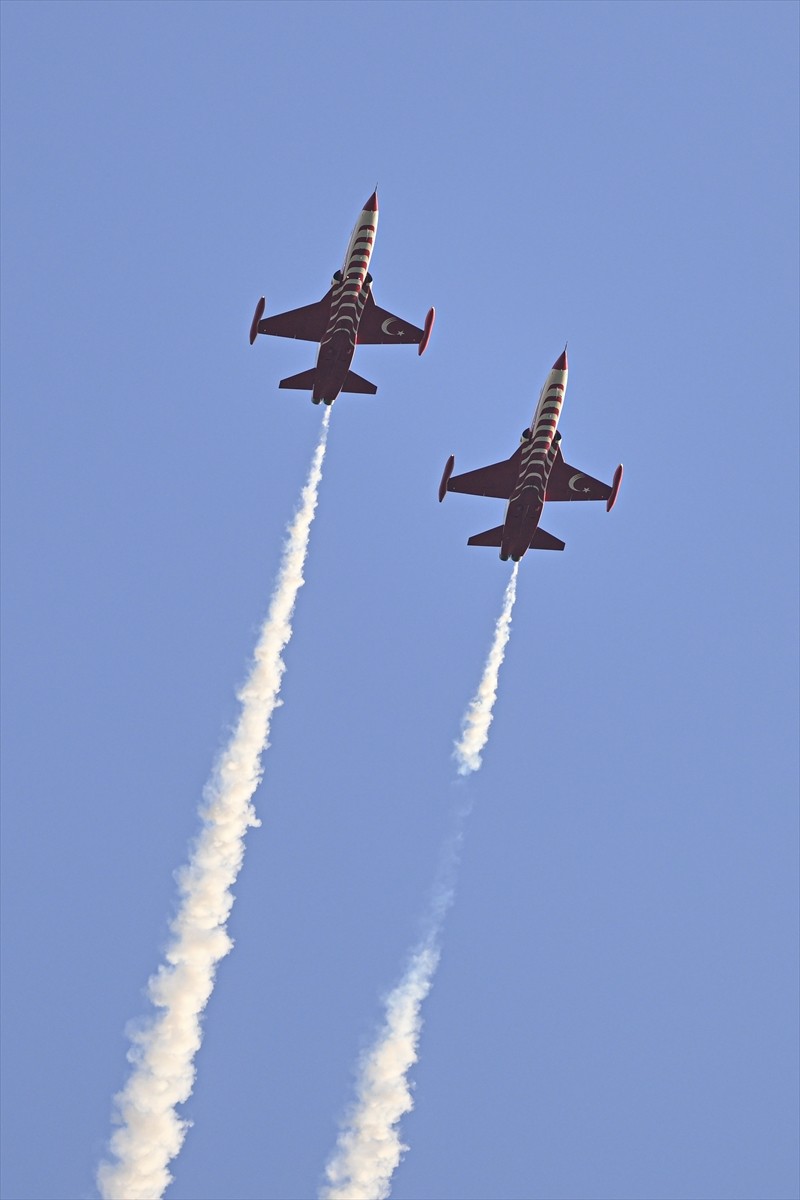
(542, 540)
(354, 383)
(304, 382)
(492, 537)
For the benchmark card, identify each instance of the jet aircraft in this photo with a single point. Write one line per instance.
(346, 315)
(535, 472)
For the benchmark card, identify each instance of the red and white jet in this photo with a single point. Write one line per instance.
(535, 473)
(345, 316)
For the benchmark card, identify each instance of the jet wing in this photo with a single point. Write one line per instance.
(568, 483)
(497, 480)
(308, 323)
(378, 327)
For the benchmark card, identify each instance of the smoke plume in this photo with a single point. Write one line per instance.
(150, 1131)
(369, 1149)
(479, 715)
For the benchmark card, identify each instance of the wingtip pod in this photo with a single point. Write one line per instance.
(426, 331)
(257, 315)
(616, 481)
(448, 471)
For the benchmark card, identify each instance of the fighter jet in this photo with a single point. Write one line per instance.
(535, 472)
(346, 315)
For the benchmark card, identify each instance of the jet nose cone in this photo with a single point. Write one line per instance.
(372, 203)
(561, 363)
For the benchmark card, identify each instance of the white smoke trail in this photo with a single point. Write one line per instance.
(479, 715)
(369, 1149)
(151, 1133)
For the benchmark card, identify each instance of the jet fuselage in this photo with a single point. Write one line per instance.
(539, 447)
(351, 287)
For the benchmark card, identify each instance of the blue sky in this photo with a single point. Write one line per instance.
(615, 1014)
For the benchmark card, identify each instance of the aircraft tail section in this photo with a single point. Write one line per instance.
(542, 540)
(492, 537)
(304, 382)
(354, 383)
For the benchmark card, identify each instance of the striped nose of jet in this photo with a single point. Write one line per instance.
(372, 203)
(561, 363)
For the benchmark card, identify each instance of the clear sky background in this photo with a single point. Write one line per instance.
(615, 1014)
